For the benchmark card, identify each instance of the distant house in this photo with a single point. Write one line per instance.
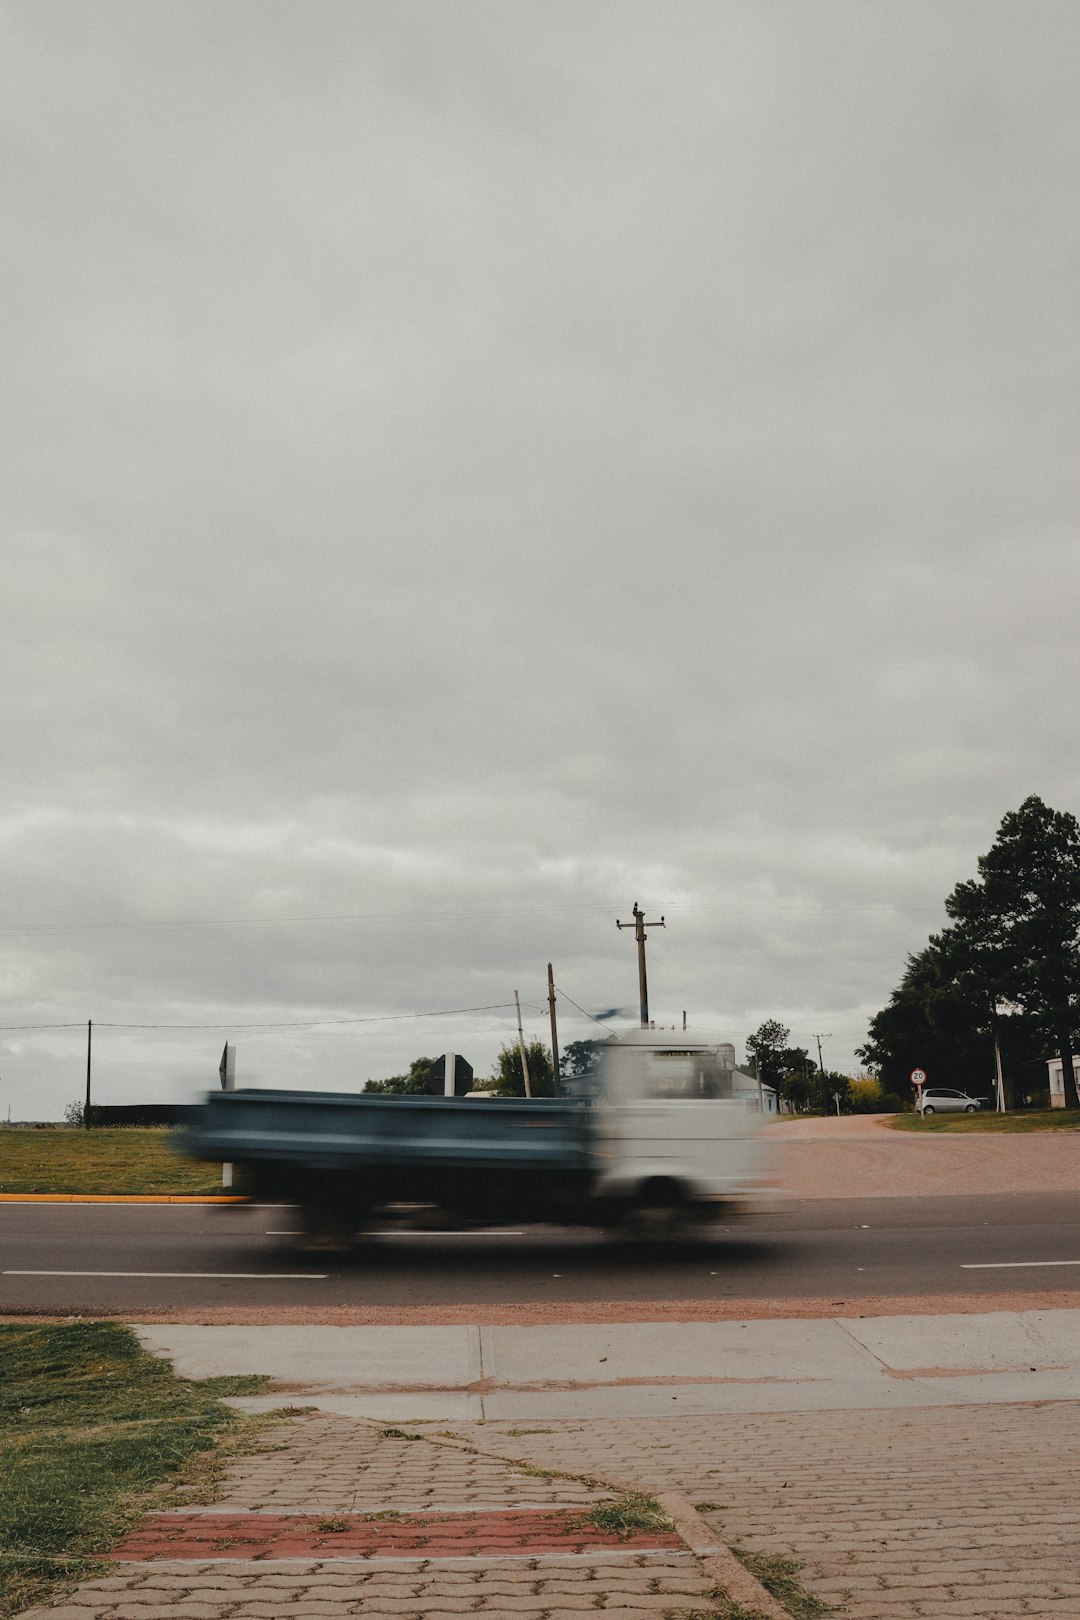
(1056, 1071)
(744, 1084)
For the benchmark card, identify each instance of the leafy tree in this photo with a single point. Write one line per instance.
(937, 1019)
(1018, 924)
(579, 1058)
(765, 1050)
(398, 1085)
(788, 1069)
(507, 1079)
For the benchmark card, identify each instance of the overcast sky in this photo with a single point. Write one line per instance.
(471, 467)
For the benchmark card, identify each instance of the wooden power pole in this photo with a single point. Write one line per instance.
(554, 1033)
(638, 925)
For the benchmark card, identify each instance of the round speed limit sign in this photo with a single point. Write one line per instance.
(918, 1077)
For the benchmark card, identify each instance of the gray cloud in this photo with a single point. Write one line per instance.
(469, 468)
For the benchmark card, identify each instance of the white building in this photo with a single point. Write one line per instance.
(744, 1084)
(1056, 1071)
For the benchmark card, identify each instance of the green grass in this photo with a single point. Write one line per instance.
(626, 1514)
(1030, 1119)
(126, 1160)
(780, 1578)
(90, 1425)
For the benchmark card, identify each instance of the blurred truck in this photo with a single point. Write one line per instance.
(669, 1139)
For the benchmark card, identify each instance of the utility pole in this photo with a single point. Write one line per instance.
(638, 925)
(999, 1082)
(521, 1046)
(86, 1108)
(821, 1066)
(554, 1033)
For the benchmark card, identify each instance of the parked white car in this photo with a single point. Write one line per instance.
(942, 1100)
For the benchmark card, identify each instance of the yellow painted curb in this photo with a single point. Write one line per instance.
(122, 1198)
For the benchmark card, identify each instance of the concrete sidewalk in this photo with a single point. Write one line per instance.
(895, 1458)
(644, 1369)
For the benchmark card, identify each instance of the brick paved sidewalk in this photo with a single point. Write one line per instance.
(334, 1517)
(916, 1514)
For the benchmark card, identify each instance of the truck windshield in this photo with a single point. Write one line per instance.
(675, 1074)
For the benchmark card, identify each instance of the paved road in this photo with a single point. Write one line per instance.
(138, 1258)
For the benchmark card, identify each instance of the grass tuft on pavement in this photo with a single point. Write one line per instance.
(90, 1425)
(991, 1124)
(626, 1515)
(125, 1160)
(780, 1578)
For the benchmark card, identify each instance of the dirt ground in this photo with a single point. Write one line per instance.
(858, 1156)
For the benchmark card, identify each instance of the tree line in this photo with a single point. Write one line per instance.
(803, 1084)
(1007, 966)
(507, 1079)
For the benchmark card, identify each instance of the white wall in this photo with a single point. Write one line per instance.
(1056, 1072)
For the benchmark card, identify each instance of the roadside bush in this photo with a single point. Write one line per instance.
(865, 1096)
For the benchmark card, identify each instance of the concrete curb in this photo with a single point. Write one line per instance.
(715, 1556)
(122, 1198)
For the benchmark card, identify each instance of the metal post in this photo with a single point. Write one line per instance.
(554, 1034)
(998, 1078)
(227, 1076)
(86, 1108)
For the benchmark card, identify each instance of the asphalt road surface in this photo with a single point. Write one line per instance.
(81, 1258)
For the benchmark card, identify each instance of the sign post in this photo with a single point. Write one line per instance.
(227, 1076)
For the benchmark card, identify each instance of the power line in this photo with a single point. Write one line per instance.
(581, 1010)
(164, 925)
(299, 1023)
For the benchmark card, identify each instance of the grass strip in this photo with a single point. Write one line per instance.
(90, 1425)
(129, 1159)
(991, 1124)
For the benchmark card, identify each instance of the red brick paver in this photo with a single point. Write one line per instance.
(258, 1536)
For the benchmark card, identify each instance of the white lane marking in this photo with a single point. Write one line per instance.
(393, 1233)
(1015, 1265)
(246, 1276)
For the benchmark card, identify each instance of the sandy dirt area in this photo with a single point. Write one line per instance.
(860, 1156)
(727, 1309)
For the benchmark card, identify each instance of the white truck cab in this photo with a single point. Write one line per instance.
(677, 1126)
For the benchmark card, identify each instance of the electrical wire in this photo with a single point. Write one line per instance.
(581, 1010)
(299, 1023)
(163, 925)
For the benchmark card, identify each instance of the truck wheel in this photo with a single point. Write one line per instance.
(658, 1214)
(326, 1231)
